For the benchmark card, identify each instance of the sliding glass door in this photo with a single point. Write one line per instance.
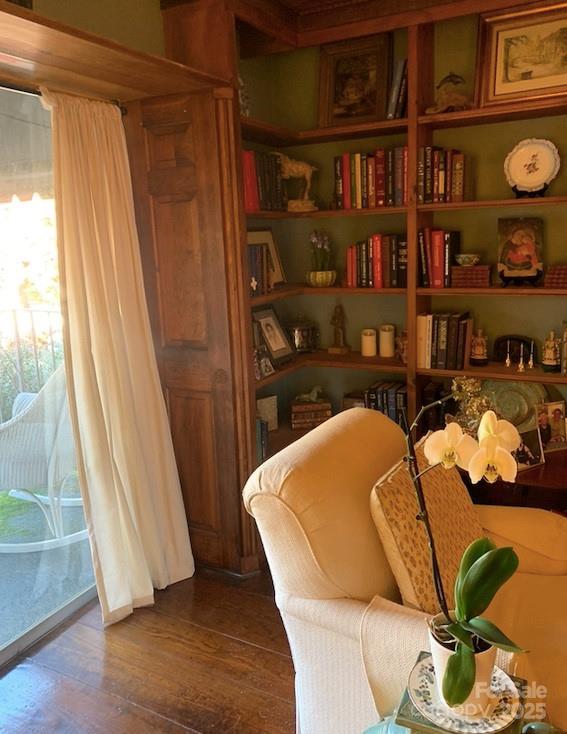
(45, 565)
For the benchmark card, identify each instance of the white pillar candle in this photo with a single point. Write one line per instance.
(387, 338)
(368, 342)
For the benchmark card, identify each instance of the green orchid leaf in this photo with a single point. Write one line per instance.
(490, 633)
(460, 672)
(484, 578)
(476, 550)
(457, 631)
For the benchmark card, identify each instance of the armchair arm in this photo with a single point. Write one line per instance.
(391, 637)
(539, 537)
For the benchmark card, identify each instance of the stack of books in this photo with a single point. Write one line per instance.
(443, 340)
(372, 180)
(440, 175)
(380, 261)
(390, 398)
(305, 416)
(263, 183)
(436, 251)
(259, 270)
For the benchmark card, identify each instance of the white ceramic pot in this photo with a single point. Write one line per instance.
(480, 701)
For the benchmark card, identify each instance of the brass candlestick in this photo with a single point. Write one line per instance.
(521, 365)
(508, 361)
(531, 361)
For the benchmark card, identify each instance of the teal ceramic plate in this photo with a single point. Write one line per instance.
(515, 401)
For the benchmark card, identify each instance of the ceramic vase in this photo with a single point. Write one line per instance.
(480, 701)
(321, 278)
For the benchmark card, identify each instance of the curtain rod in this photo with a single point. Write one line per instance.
(37, 93)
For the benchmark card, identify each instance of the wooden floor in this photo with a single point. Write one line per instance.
(210, 656)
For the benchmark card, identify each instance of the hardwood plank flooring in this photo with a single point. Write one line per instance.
(210, 656)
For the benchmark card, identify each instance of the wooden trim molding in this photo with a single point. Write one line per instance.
(37, 51)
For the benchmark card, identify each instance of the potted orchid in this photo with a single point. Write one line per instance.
(321, 275)
(463, 642)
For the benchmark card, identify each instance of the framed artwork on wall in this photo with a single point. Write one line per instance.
(522, 55)
(353, 80)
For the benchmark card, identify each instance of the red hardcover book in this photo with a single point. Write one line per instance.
(449, 176)
(377, 261)
(371, 176)
(251, 196)
(345, 171)
(429, 259)
(405, 190)
(350, 267)
(386, 254)
(380, 178)
(437, 257)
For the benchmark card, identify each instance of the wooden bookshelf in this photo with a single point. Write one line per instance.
(492, 291)
(263, 132)
(321, 358)
(493, 204)
(498, 371)
(330, 213)
(289, 290)
(498, 113)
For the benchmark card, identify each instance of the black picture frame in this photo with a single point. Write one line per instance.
(273, 335)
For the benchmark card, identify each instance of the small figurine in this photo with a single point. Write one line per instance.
(339, 345)
(551, 361)
(402, 346)
(448, 97)
(521, 365)
(479, 350)
(291, 168)
(313, 396)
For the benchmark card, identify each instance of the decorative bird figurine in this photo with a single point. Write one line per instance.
(448, 97)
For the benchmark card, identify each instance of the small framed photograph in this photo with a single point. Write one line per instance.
(520, 243)
(530, 453)
(273, 335)
(275, 268)
(551, 425)
(521, 55)
(353, 80)
(263, 366)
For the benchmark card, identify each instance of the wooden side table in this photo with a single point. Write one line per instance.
(543, 486)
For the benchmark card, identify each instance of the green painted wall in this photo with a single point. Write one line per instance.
(135, 23)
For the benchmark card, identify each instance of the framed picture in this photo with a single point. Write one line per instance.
(275, 268)
(551, 425)
(520, 247)
(530, 453)
(273, 335)
(263, 366)
(522, 55)
(353, 80)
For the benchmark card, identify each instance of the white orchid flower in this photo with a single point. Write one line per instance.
(503, 431)
(492, 461)
(450, 447)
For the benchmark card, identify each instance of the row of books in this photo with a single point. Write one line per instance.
(263, 183)
(397, 103)
(259, 270)
(440, 175)
(380, 261)
(372, 180)
(437, 249)
(443, 340)
(390, 398)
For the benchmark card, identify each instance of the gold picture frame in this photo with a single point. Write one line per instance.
(520, 57)
(354, 78)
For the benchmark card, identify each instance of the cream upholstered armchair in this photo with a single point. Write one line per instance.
(353, 643)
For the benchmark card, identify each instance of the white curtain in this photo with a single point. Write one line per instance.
(132, 497)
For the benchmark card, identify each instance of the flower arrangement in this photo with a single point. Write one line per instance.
(484, 568)
(321, 254)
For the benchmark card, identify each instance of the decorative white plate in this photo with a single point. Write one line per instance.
(532, 164)
(515, 401)
(425, 697)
